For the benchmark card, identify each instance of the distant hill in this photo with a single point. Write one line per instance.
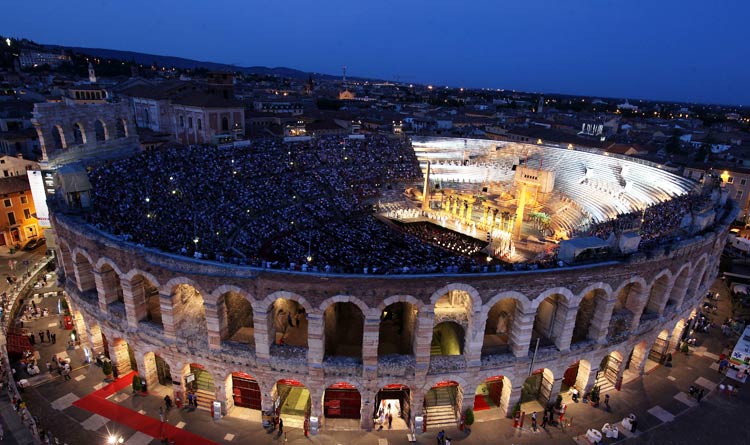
(180, 62)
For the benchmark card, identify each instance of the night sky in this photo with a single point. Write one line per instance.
(685, 50)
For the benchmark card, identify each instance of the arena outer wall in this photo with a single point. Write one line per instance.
(100, 270)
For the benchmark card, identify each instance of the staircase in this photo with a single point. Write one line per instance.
(440, 412)
(435, 349)
(604, 384)
(205, 392)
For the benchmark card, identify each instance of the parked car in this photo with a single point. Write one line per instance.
(35, 243)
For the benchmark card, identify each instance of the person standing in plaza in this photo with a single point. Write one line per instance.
(533, 421)
(48, 336)
(41, 336)
(281, 426)
(54, 338)
(545, 419)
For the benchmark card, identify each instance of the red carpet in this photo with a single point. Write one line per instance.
(96, 403)
(480, 403)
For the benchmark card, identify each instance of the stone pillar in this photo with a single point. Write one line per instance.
(213, 326)
(601, 319)
(366, 409)
(589, 383)
(167, 315)
(316, 402)
(423, 338)
(119, 355)
(468, 211)
(563, 325)
(262, 342)
(94, 334)
(106, 288)
(147, 367)
(520, 332)
(178, 389)
(515, 397)
(266, 396)
(84, 274)
(220, 392)
(227, 399)
(556, 386)
(370, 334)
(417, 403)
(135, 300)
(222, 311)
(315, 346)
(474, 342)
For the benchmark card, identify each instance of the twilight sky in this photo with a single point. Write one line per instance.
(688, 50)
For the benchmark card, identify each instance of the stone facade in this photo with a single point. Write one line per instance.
(71, 132)
(572, 310)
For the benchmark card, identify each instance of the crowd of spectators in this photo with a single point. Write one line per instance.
(300, 205)
(272, 204)
(659, 222)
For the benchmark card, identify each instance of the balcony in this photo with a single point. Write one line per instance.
(440, 364)
(396, 365)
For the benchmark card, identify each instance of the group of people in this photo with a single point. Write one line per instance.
(655, 223)
(291, 205)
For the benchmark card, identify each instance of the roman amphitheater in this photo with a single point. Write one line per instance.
(541, 307)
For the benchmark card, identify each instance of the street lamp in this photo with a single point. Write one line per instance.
(115, 439)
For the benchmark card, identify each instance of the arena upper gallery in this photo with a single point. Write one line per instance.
(322, 278)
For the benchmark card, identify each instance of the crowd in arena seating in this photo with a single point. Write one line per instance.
(272, 204)
(656, 223)
(301, 205)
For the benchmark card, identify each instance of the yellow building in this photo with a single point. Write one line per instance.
(18, 224)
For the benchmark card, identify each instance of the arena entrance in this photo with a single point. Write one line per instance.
(201, 384)
(658, 351)
(537, 391)
(163, 373)
(576, 376)
(491, 398)
(245, 391)
(291, 402)
(342, 406)
(395, 399)
(609, 372)
(442, 403)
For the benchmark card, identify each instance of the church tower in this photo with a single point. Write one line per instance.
(92, 74)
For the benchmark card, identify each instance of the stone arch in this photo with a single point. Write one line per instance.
(79, 133)
(610, 371)
(345, 299)
(235, 314)
(84, 270)
(475, 298)
(696, 274)
(58, 138)
(678, 333)
(448, 338)
(538, 387)
(679, 287)
(549, 326)
(100, 131)
(243, 390)
(400, 299)
(343, 326)
(141, 293)
(109, 285)
(286, 319)
(493, 392)
(265, 304)
(658, 294)
(630, 297)
(121, 128)
(590, 313)
(638, 357)
(397, 328)
(185, 312)
(66, 260)
(501, 316)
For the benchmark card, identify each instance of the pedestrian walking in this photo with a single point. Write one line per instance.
(441, 437)
(32, 339)
(545, 419)
(41, 336)
(533, 421)
(390, 421)
(606, 402)
(281, 426)
(168, 402)
(190, 399)
(48, 336)
(195, 400)
(66, 373)
(54, 338)
(700, 395)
